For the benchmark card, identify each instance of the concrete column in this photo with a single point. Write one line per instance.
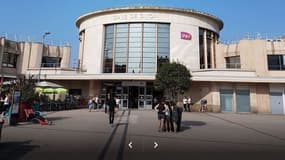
(81, 49)
(66, 55)
(205, 49)
(216, 98)
(2, 44)
(212, 50)
(253, 99)
(234, 100)
(91, 88)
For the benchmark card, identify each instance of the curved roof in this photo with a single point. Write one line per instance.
(150, 8)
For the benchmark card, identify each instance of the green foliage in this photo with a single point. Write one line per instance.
(27, 92)
(173, 78)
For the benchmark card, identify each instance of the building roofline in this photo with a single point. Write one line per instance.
(82, 18)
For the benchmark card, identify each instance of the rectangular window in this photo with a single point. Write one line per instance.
(133, 47)
(9, 60)
(233, 62)
(51, 61)
(276, 62)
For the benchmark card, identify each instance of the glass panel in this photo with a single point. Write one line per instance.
(148, 45)
(135, 40)
(146, 39)
(137, 30)
(134, 54)
(121, 60)
(273, 62)
(243, 101)
(134, 60)
(136, 35)
(149, 60)
(121, 40)
(149, 30)
(226, 97)
(134, 45)
(149, 50)
(135, 25)
(135, 49)
(149, 34)
(121, 45)
(121, 49)
(149, 65)
(149, 55)
(148, 70)
(122, 35)
(162, 40)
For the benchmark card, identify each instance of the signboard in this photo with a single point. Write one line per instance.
(186, 36)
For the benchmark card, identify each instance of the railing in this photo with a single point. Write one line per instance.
(50, 65)
(233, 65)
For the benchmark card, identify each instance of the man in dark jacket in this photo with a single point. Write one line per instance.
(179, 118)
(112, 105)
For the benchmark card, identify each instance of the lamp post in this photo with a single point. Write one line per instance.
(43, 41)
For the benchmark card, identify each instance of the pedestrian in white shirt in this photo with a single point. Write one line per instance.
(185, 100)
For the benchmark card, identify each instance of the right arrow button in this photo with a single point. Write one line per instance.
(155, 145)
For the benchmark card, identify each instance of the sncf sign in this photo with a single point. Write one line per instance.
(186, 36)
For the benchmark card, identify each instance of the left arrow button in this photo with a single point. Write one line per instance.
(130, 145)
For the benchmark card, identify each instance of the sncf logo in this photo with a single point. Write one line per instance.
(186, 36)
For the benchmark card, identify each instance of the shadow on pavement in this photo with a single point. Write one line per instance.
(185, 125)
(57, 118)
(15, 150)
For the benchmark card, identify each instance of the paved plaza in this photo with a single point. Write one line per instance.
(79, 134)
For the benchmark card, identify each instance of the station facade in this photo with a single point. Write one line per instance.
(121, 49)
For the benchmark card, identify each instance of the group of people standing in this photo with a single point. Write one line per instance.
(169, 116)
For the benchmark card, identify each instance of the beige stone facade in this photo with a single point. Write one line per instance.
(244, 77)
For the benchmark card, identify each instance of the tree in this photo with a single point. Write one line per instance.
(172, 78)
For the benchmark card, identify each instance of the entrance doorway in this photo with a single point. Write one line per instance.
(133, 97)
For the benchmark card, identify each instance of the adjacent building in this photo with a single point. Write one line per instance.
(121, 49)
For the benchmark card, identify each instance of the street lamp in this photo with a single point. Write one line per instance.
(43, 41)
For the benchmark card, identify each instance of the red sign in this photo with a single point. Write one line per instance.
(186, 36)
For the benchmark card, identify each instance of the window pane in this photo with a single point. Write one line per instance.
(134, 45)
(273, 62)
(135, 30)
(149, 60)
(149, 45)
(149, 30)
(149, 39)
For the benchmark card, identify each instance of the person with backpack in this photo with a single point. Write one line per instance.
(161, 109)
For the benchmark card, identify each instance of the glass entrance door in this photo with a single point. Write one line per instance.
(133, 97)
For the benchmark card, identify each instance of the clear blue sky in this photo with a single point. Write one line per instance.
(31, 18)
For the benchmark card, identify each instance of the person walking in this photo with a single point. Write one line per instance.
(96, 102)
(203, 107)
(167, 123)
(90, 104)
(189, 101)
(112, 105)
(185, 100)
(173, 115)
(179, 117)
(117, 99)
(160, 109)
